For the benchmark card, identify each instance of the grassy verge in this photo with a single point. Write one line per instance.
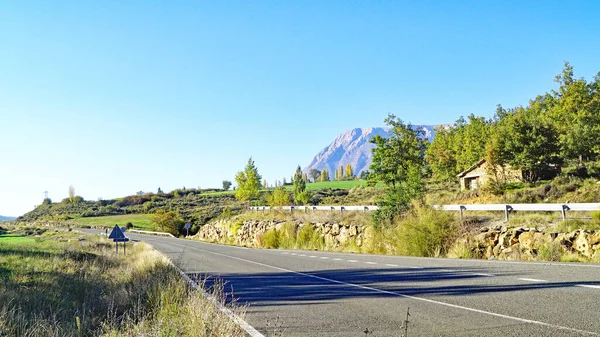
(140, 221)
(58, 283)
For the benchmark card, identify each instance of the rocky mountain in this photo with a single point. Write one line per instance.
(353, 147)
(6, 218)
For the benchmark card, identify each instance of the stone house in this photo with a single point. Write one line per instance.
(481, 173)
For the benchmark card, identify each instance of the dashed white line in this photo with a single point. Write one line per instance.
(285, 253)
(381, 291)
(391, 265)
(369, 262)
(337, 259)
(352, 261)
(324, 257)
(302, 255)
(311, 256)
(531, 280)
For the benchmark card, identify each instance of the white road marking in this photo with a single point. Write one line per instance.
(352, 261)
(324, 257)
(285, 253)
(368, 262)
(588, 286)
(312, 256)
(391, 265)
(518, 319)
(531, 280)
(302, 255)
(337, 259)
(483, 274)
(243, 324)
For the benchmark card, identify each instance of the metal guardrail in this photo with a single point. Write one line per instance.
(507, 208)
(291, 209)
(150, 232)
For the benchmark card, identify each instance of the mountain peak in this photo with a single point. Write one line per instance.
(353, 147)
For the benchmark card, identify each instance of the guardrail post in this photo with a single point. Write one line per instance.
(263, 210)
(564, 210)
(462, 208)
(506, 211)
(314, 208)
(366, 208)
(332, 209)
(292, 209)
(342, 210)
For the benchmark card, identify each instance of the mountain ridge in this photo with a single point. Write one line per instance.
(353, 147)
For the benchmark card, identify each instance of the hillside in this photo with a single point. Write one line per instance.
(191, 206)
(353, 147)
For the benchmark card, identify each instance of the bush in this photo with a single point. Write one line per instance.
(596, 216)
(305, 235)
(426, 232)
(271, 239)
(550, 252)
(573, 225)
(287, 235)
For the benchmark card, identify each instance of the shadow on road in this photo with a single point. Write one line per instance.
(264, 289)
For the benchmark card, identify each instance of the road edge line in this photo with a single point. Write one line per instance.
(250, 330)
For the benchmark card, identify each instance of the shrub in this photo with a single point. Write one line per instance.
(550, 252)
(287, 235)
(426, 232)
(596, 216)
(271, 239)
(305, 235)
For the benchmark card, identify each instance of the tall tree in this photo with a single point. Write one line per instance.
(71, 193)
(398, 163)
(159, 191)
(349, 173)
(324, 175)
(248, 182)
(226, 185)
(526, 141)
(299, 189)
(314, 174)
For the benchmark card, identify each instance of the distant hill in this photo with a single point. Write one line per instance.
(353, 147)
(6, 218)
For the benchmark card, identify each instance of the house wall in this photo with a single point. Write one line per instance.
(482, 175)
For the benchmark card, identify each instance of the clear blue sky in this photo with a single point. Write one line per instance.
(115, 97)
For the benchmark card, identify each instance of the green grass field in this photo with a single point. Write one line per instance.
(13, 239)
(141, 221)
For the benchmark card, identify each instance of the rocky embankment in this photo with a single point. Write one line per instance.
(249, 233)
(523, 243)
(492, 242)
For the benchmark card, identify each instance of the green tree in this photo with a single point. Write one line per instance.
(324, 175)
(575, 111)
(167, 221)
(349, 173)
(159, 191)
(440, 155)
(526, 141)
(265, 185)
(299, 187)
(279, 197)
(226, 185)
(314, 174)
(398, 163)
(248, 182)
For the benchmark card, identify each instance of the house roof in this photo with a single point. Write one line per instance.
(476, 165)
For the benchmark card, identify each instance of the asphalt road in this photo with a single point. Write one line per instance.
(310, 293)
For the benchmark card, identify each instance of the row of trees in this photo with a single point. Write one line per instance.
(554, 128)
(557, 127)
